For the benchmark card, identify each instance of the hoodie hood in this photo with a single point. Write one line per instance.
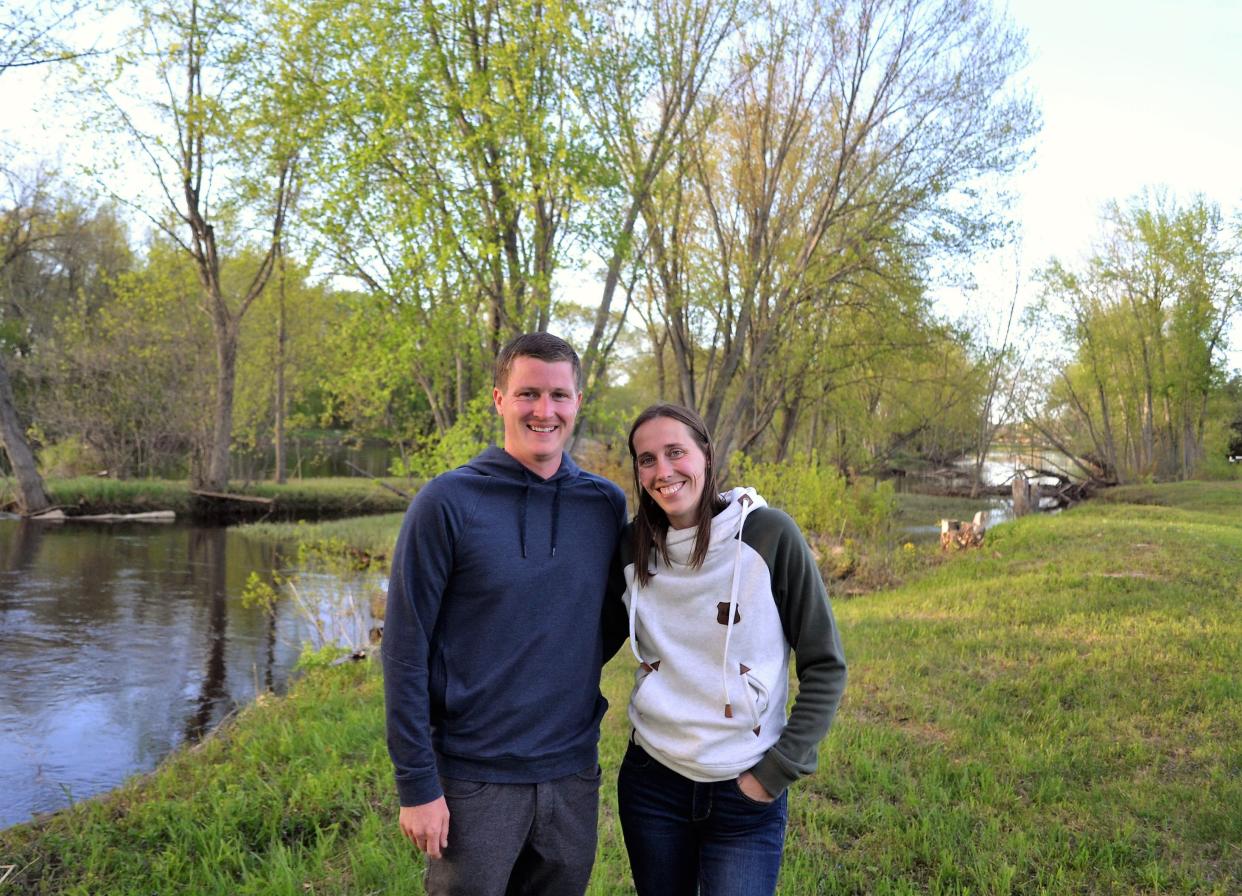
(495, 461)
(725, 525)
(498, 463)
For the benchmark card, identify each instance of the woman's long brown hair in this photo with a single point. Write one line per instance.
(651, 522)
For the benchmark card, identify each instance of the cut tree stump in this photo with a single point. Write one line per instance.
(955, 535)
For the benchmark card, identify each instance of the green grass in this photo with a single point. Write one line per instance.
(1058, 712)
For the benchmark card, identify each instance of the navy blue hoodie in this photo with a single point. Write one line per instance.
(491, 645)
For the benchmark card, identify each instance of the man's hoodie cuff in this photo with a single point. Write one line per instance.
(417, 791)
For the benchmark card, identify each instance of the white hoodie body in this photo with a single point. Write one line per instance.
(693, 664)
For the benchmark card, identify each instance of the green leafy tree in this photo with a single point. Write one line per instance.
(189, 96)
(1146, 319)
(127, 376)
(449, 162)
(48, 245)
(853, 143)
(283, 359)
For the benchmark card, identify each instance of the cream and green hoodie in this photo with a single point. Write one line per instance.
(713, 647)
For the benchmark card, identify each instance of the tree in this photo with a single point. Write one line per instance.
(225, 166)
(126, 376)
(285, 359)
(854, 145)
(28, 36)
(649, 96)
(1145, 319)
(449, 160)
(28, 227)
(35, 34)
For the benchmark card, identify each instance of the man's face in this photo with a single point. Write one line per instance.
(538, 405)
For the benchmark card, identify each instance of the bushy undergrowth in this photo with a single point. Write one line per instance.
(820, 499)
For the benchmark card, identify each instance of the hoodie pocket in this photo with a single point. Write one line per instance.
(641, 674)
(756, 695)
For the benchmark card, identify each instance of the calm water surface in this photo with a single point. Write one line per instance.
(119, 643)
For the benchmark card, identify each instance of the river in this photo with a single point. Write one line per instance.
(120, 643)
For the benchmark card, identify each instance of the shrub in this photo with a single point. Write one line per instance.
(820, 499)
(467, 437)
(69, 457)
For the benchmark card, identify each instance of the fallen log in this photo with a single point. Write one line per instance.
(150, 516)
(225, 496)
(380, 482)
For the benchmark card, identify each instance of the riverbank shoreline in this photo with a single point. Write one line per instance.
(1057, 711)
(304, 499)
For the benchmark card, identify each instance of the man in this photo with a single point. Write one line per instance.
(492, 648)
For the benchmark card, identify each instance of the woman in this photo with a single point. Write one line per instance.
(719, 589)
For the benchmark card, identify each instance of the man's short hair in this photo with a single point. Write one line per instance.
(541, 346)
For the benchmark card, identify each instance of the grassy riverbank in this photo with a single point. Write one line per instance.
(1058, 712)
(369, 537)
(325, 498)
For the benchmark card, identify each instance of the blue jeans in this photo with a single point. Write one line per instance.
(685, 837)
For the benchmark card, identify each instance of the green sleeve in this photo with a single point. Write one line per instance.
(811, 630)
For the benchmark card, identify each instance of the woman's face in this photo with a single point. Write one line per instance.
(672, 468)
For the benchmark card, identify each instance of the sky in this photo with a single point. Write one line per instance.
(1133, 94)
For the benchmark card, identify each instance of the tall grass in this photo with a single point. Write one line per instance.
(368, 538)
(1058, 712)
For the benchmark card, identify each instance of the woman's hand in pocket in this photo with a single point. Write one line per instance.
(750, 786)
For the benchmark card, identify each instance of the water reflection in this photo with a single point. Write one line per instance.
(119, 643)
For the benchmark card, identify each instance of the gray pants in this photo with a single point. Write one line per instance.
(518, 839)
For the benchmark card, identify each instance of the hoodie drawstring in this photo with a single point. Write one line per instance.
(522, 518)
(746, 503)
(556, 513)
(633, 632)
(556, 516)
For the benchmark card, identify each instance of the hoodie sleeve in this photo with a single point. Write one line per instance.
(811, 630)
(615, 624)
(422, 562)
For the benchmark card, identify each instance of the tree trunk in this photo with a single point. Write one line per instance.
(222, 427)
(278, 434)
(1024, 500)
(31, 495)
(282, 339)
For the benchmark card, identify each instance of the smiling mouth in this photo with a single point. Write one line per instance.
(533, 428)
(668, 491)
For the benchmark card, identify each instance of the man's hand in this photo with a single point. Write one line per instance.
(427, 826)
(749, 785)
